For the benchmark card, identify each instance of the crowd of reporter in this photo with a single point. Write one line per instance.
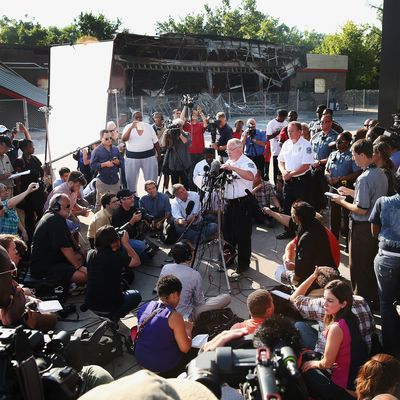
(40, 230)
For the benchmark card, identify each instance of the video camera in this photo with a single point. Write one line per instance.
(187, 100)
(28, 363)
(212, 127)
(251, 130)
(38, 366)
(173, 129)
(264, 374)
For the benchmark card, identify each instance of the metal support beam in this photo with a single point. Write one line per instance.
(389, 83)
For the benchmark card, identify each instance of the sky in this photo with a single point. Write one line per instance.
(140, 16)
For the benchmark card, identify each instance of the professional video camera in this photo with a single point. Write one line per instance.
(212, 127)
(264, 374)
(173, 129)
(29, 364)
(187, 100)
(37, 366)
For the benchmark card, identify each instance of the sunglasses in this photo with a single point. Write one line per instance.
(107, 138)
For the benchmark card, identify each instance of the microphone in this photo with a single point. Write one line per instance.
(214, 169)
(189, 207)
(206, 168)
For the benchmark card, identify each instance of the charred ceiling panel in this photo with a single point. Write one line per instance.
(175, 63)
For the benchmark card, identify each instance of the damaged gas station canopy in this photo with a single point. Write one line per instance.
(175, 63)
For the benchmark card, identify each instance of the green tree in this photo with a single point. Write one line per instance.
(361, 43)
(31, 33)
(98, 26)
(245, 22)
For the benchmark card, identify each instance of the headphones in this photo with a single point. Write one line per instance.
(181, 252)
(55, 203)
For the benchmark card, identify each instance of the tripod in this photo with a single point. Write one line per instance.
(215, 186)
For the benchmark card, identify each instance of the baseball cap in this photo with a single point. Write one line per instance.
(146, 385)
(124, 193)
(3, 129)
(6, 140)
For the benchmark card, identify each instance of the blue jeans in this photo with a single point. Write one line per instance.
(387, 271)
(308, 334)
(192, 234)
(137, 245)
(132, 299)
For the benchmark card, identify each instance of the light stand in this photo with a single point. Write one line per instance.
(115, 92)
(46, 110)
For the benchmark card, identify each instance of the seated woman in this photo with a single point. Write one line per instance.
(163, 339)
(10, 222)
(105, 266)
(345, 350)
(379, 375)
(314, 244)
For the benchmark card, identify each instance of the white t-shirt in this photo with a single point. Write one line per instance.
(199, 168)
(143, 142)
(272, 127)
(178, 207)
(239, 185)
(296, 154)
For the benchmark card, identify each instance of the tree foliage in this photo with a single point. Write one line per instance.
(245, 22)
(361, 43)
(31, 33)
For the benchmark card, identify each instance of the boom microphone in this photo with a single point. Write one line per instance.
(255, 207)
(189, 207)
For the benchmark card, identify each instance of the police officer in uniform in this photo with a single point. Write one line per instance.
(295, 161)
(237, 226)
(321, 144)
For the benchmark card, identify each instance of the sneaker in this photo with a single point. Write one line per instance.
(285, 235)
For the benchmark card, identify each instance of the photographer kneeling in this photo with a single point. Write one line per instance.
(105, 266)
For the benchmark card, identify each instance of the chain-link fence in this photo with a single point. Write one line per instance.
(233, 103)
(243, 103)
(362, 99)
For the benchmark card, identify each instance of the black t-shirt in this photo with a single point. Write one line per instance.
(121, 217)
(51, 234)
(104, 269)
(34, 165)
(224, 134)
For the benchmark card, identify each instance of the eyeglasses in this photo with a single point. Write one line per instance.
(233, 148)
(107, 138)
(111, 130)
(127, 198)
